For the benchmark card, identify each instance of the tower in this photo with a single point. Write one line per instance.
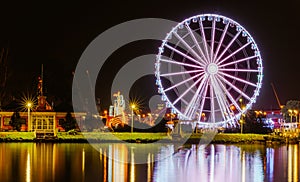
(42, 105)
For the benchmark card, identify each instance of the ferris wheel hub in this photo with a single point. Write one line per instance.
(212, 68)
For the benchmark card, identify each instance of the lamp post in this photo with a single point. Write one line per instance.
(291, 114)
(150, 119)
(296, 114)
(241, 101)
(105, 116)
(242, 120)
(132, 108)
(243, 115)
(29, 105)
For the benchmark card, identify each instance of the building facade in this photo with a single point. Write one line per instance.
(47, 123)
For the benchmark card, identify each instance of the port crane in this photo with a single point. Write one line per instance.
(277, 98)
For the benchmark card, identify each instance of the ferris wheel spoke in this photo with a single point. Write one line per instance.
(204, 39)
(221, 41)
(212, 103)
(224, 113)
(239, 79)
(238, 61)
(203, 98)
(235, 88)
(238, 50)
(225, 106)
(191, 50)
(220, 99)
(239, 70)
(225, 103)
(184, 55)
(184, 81)
(229, 95)
(180, 73)
(212, 40)
(193, 100)
(196, 43)
(180, 63)
(185, 92)
(227, 47)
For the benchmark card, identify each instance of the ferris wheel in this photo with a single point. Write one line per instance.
(209, 70)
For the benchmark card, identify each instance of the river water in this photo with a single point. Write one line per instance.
(82, 162)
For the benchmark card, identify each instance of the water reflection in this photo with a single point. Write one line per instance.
(80, 162)
(28, 172)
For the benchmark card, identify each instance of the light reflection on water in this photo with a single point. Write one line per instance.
(213, 163)
(32, 162)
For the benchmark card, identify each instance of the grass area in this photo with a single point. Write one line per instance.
(237, 138)
(140, 137)
(81, 137)
(17, 135)
(226, 138)
(107, 136)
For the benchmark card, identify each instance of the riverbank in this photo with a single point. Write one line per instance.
(84, 137)
(107, 137)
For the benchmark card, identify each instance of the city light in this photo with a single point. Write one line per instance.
(27, 102)
(232, 107)
(29, 106)
(133, 106)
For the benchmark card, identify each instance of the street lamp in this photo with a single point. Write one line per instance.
(291, 114)
(132, 108)
(242, 120)
(241, 101)
(296, 114)
(29, 105)
(150, 119)
(203, 116)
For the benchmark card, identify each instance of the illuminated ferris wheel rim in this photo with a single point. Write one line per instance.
(211, 68)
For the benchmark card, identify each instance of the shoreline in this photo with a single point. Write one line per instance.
(106, 137)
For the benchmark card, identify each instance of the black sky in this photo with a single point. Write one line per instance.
(56, 34)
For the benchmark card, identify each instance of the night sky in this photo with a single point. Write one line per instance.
(56, 34)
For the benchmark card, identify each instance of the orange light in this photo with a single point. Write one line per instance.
(232, 107)
(29, 104)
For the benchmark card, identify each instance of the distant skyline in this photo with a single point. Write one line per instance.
(56, 34)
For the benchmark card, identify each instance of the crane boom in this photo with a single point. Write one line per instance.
(278, 102)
